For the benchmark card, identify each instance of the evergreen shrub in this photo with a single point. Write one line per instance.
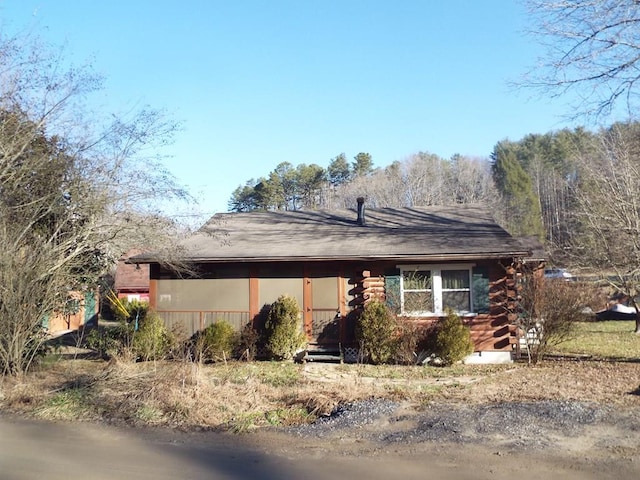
(219, 341)
(151, 341)
(376, 332)
(283, 333)
(453, 340)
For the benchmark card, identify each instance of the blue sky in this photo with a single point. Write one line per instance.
(259, 82)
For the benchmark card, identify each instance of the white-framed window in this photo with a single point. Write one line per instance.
(432, 289)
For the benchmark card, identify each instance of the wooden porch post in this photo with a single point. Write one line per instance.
(254, 295)
(307, 303)
(342, 299)
(153, 294)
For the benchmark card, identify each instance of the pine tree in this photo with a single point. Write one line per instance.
(523, 214)
(338, 170)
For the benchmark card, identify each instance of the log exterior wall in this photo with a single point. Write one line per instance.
(356, 283)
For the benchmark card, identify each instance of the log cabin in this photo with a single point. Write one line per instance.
(421, 261)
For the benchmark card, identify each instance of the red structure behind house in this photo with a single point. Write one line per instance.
(132, 280)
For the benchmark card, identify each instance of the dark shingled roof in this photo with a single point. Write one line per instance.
(459, 232)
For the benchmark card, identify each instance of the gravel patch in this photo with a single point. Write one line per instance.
(531, 424)
(536, 424)
(348, 417)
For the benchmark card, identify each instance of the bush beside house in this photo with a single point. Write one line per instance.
(139, 334)
(453, 339)
(283, 329)
(376, 333)
(218, 342)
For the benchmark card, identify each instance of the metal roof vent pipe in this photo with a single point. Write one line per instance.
(361, 220)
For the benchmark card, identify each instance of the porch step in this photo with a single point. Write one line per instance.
(322, 353)
(312, 357)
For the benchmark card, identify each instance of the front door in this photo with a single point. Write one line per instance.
(322, 309)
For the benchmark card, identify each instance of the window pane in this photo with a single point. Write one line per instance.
(457, 301)
(392, 292)
(417, 280)
(418, 302)
(455, 279)
(481, 289)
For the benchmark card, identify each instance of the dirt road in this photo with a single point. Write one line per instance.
(39, 450)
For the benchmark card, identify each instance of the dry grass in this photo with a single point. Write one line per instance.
(236, 396)
(605, 382)
(241, 396)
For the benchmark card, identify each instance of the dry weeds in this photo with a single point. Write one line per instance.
(241, 396)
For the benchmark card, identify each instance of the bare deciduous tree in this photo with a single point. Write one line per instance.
(75, 191)
(608, 212)
(548, 311)
(420, 180)
(592, 51)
